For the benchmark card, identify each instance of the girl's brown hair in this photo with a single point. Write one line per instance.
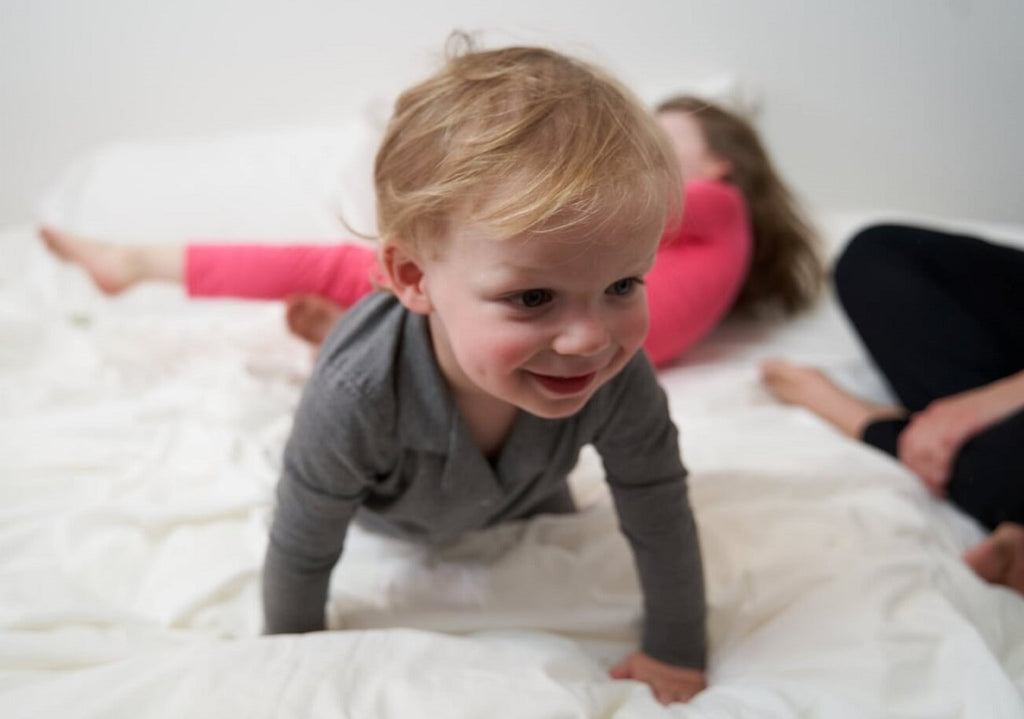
(786, 272)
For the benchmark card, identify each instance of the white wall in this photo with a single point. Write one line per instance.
(911, 104)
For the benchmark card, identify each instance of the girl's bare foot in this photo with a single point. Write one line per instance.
(999, 559)
(811, 388)
(311, 317)
(111, 267)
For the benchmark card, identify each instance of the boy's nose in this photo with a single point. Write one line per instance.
(584, 336)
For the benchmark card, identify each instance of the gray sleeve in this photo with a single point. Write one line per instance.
(325, 477)
(639, 446)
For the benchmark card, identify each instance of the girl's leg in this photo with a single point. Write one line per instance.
(318, 281)
(343, 273)
(114, 268)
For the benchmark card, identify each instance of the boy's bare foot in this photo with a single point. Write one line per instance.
(111, 267)
(311, 317)
(999, 559)
(811, 388)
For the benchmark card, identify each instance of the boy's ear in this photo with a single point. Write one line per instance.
(405, 277)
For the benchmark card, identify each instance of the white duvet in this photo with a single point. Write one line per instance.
(139, 444)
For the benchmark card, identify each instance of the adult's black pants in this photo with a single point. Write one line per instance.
(940, 314)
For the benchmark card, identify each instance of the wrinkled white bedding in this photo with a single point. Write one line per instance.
(139, 441)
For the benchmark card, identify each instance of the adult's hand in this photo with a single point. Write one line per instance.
(930, 443)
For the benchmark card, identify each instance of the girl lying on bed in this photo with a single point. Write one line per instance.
(940, 315)
(743, 246)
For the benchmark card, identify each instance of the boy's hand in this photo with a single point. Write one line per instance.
(669, 683)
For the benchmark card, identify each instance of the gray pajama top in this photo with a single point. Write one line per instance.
(377, 433)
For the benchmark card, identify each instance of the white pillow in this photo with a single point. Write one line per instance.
(286, 185)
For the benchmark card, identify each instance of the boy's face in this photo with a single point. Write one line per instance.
(538, 323)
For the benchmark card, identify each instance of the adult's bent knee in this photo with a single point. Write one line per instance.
(871, 268)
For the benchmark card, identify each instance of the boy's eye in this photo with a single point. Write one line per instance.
(534, 298)
(623, 287)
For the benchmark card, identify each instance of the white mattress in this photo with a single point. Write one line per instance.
(139, 443)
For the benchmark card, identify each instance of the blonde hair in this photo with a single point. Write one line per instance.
(519, 139)
(786, 272)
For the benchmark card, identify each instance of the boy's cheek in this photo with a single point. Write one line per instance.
(506, 351)
(633, 331)
(501, 347)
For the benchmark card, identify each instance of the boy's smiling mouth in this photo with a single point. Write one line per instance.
(564, 385)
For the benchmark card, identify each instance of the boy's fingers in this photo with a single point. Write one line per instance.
(670, 694)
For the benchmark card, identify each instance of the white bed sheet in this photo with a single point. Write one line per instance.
(139, 444)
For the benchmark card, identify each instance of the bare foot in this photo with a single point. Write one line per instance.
(311, 317)
(999, 559)
(111, 267)
(811, 388)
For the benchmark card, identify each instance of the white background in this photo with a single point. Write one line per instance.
(909, 104)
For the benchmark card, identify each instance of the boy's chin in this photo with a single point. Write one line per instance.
(557, 408)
